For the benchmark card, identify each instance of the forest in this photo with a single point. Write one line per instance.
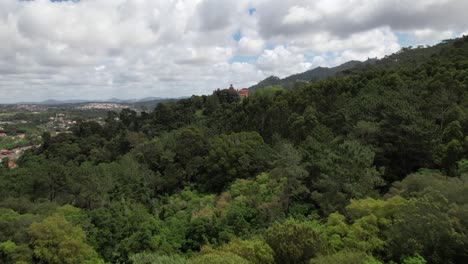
(369, 166)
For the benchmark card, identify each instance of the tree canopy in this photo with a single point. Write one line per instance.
(367, 166)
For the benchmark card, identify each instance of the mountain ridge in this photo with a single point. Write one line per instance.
(315, 74)
(407, 55)
(84, 101)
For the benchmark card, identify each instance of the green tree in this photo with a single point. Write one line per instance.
(366, 225)
(424, 226)
(417, 259)
(345, 173)
(153, 258)
(231, 157)
(296, 242)
(348, 257)
(124, 229)
(255, 250)
(55, 240)
(287, 167)
(218, 258)
(10, 252)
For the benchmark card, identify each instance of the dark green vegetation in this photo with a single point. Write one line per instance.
(368, 167)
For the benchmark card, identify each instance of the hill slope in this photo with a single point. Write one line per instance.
(315, 74)
(406, 56)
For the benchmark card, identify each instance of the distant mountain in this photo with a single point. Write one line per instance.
(56, 102)
(111, 100)
(116, 100)
(149, 99)
(315, 74)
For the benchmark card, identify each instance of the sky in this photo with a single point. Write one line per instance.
(100, 49)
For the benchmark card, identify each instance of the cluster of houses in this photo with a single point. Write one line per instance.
(6, 152)
(12, 155)
(33, 107)
(20, 136)
(59, 121)
(103, 106)
(243, 93)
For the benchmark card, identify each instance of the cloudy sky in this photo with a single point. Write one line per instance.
(98, 49)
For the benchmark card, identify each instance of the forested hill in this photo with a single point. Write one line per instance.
(315, 74)
(406, 56)
(368, 167)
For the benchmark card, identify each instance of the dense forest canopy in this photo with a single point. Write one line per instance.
(370, 166)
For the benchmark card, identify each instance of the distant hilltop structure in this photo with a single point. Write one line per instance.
(243, 93)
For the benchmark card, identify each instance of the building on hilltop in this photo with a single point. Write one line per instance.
(243, 93)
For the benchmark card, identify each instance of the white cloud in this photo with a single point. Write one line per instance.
(301, 15)
(139, 48)
(249, 46)
(281, 62)
(375, 43)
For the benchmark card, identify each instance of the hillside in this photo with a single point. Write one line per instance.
(368, 165)
(407, 56)
(315, 74)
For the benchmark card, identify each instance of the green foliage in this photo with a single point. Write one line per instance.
(218, 258)
(417, 259)
(269, 90)
(296, 242)
(123, 229)
(287, 168)
(255, 250)
(262, 195)
(463, 167)
(369, 221)
(346, 172)
(187, 221)
(13, 225)
(348, 257)
(231, 157)
(55, 240)
(430, 227)
(415, 185)
(152, 258)
(10, 252)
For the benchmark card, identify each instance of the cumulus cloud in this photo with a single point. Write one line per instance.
(343, 17)
(136, 48)
(215, 14)
(250, 46)
(273, 62)
(301, 15)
